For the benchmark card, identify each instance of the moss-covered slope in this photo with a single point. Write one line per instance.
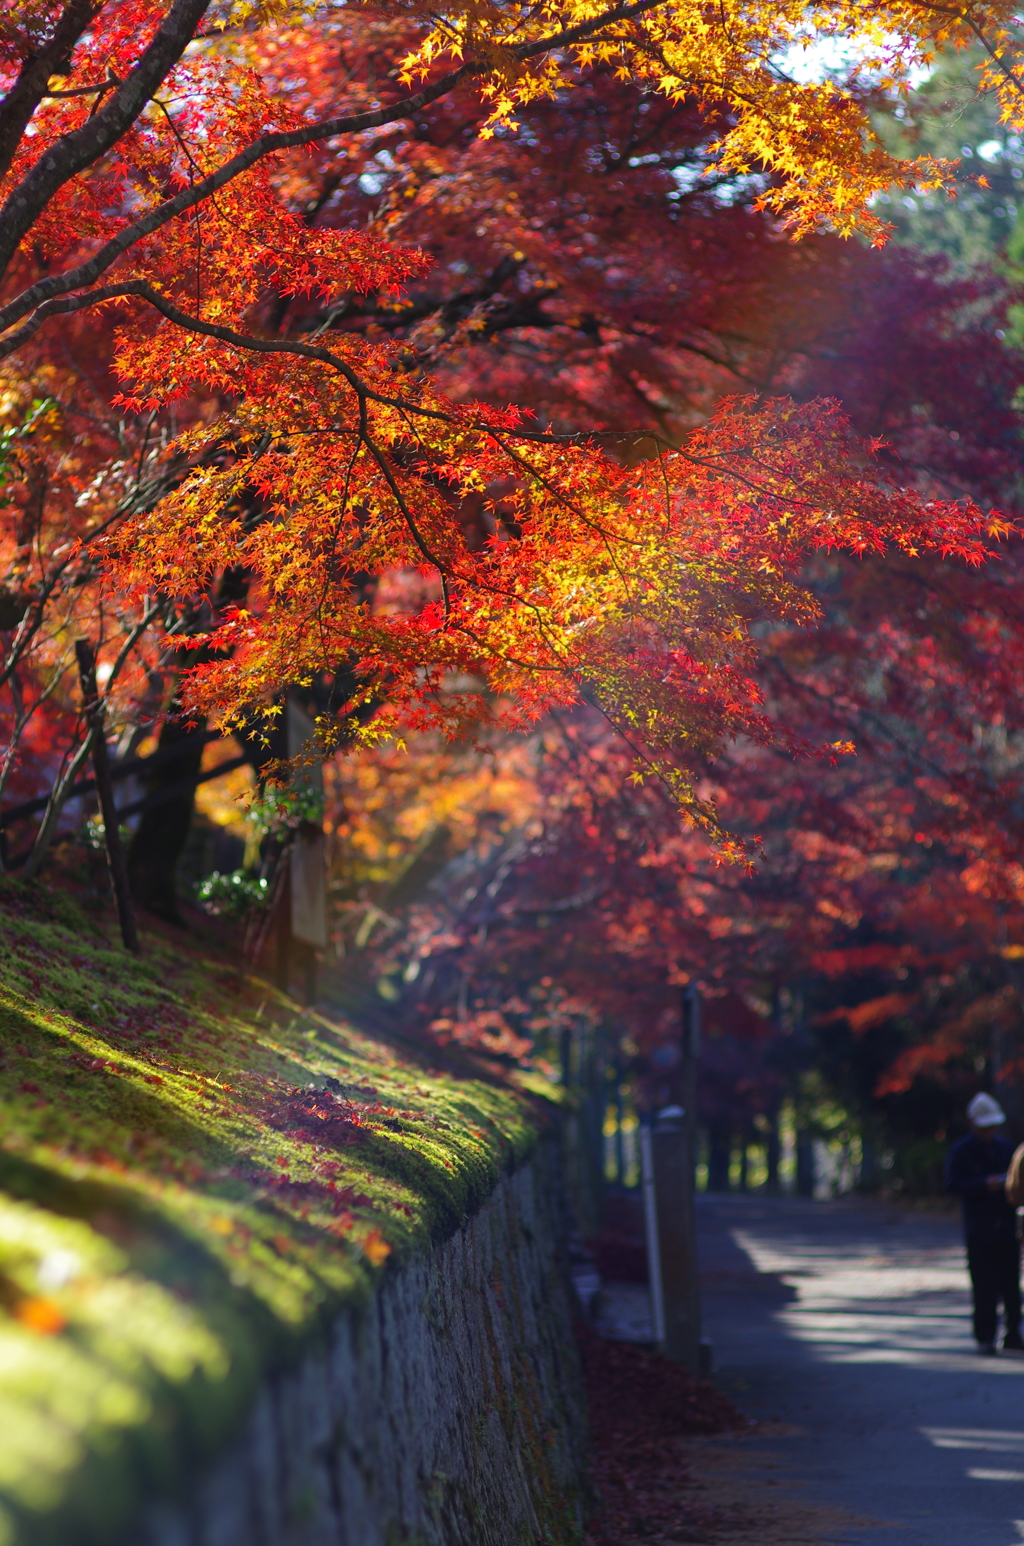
(194, 1173)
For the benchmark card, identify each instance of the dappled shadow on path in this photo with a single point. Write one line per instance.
(850, 1281)
(846, 1326)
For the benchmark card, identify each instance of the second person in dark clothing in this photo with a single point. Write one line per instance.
(976, 1169)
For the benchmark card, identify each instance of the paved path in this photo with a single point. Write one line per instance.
(846, 1326)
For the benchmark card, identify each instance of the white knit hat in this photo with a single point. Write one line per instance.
(986, 1112)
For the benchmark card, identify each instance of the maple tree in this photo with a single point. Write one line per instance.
(914, 357)
(889, 892)
(271, 282)
(151, 157)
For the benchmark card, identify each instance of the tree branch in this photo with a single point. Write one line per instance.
(139, 289)
(73, 152)
(29, 89)
(267, 144)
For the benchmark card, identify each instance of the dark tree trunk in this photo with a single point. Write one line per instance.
(162, 832)
(101, 764)
(719, 1155)
(774, 1152)
(805, 1177)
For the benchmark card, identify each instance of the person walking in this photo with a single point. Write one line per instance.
(976, 1169)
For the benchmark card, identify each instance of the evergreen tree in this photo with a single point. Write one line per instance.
(950, 116)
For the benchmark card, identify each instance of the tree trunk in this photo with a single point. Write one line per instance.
(774, 1152)
(719, 1155)
(86, 658)
(162, 833)
(805, 1177)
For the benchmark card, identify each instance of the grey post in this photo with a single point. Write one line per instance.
(668, 1152)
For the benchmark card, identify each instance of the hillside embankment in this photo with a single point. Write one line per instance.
(247, 1249)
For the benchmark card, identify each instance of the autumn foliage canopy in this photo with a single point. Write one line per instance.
(289, 492)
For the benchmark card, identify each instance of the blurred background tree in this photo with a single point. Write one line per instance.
(949, 116)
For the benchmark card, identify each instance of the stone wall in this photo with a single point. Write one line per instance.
(448, 1414)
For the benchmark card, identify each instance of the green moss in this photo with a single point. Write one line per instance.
(185, 1200)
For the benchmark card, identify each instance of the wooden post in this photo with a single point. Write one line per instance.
(86, 657)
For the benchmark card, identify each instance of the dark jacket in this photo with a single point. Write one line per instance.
(988, 1216)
